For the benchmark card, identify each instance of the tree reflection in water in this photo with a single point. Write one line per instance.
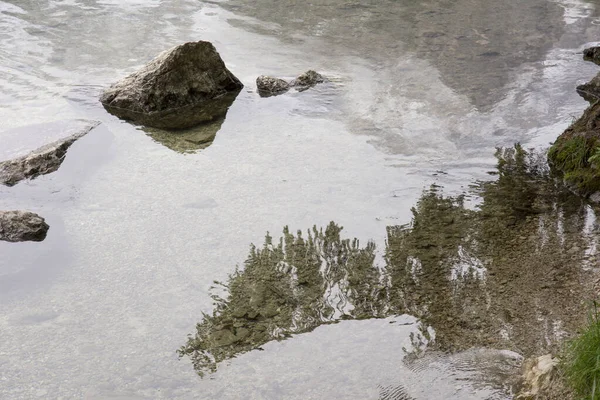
(501, 275)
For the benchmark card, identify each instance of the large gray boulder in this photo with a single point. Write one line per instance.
(182, 87)
(43, 160)
(21, 226)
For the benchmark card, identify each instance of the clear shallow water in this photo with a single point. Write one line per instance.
(139, 232)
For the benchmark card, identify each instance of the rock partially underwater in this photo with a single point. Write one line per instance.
(43, 160)
(268, 86)
(307, 80)
(21, 226)
(182, 87)
(541, 380)
(592, 54)
(590, 91)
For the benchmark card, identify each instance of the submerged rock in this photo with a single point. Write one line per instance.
(269, 86)
(590, 91)
(541, 380)
(592, 54)
(182, 87)
(307, 80)
(21, 226)
(42, 161)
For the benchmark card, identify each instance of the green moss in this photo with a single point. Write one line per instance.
(587, 180)
(573, 156)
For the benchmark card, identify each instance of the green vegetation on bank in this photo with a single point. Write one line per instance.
(576, 153)
(581, 362)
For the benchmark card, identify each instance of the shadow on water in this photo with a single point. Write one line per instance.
(512, 272)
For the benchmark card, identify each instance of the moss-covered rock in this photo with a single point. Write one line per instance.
(573, 155)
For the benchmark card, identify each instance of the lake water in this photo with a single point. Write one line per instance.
(419, 94)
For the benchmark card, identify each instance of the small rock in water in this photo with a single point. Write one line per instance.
(182, 87)
(307, 80)
(269, 86)
(42, 161)
(592, 54)
(590, 91)
(21, 226)
(539, 377)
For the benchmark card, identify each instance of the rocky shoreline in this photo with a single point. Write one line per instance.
(575, 155)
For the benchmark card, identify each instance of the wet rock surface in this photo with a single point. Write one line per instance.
(541, 380)
(590, 91)
(307, 80)
(44, 160)
(592, 54)
(269, 86)
(21, 226)
(182, 87)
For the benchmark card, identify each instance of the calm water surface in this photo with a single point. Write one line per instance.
(420, 93)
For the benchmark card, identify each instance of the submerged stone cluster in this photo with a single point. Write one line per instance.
(269, 86)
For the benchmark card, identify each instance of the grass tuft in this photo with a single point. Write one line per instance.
(582, 359)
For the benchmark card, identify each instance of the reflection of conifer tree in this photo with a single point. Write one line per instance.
(289, 288)
(502, 275)
(529, 226)
(489, 276)
(420, 261)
